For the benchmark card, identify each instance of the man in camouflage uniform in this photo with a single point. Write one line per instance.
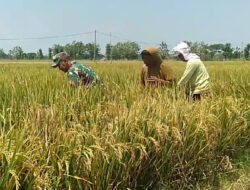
(79, 74)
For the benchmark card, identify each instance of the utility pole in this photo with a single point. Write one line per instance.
(95, 47)
(110, 47)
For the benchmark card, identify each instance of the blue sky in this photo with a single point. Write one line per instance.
(213, 21)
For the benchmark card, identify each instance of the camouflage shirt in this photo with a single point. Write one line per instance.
(80, 74)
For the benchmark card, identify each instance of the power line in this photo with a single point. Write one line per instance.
(125, 39)
(45, 37)
(110, 35)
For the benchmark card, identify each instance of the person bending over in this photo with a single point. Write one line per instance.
(154, 71)
(195, 78)
(79, 74)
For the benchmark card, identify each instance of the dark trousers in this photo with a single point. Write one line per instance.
(196, 97)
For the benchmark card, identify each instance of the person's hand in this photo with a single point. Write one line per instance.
(153, 80)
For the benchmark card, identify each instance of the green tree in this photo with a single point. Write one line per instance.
(90, 48)
(126, 50)
(50, 53)
(227, 51)
(216, 51)
(236, 53)
(131, 50)
(76, 50)
(247, 51)
(108, 51)
(164, 52)
(40, 54)
(16, 53)
(201, 49)
(30, 55)
(3, 55)
(57, 48)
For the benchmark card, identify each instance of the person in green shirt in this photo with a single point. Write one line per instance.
(195, 77)
(78, 73)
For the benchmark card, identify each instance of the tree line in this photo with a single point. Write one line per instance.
(128, 51)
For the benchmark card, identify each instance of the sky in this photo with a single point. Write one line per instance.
(147, 21)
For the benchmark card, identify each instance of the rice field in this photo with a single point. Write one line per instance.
(54, 136)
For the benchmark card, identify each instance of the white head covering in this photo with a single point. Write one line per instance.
(185, 50)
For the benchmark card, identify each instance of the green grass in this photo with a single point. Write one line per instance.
(53, 136)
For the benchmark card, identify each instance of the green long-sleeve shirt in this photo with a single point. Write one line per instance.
(80, 74)
(195, 77)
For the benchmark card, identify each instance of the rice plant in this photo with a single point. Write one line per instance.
(54, 136)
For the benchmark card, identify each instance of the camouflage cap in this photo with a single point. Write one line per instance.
(59, 57)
